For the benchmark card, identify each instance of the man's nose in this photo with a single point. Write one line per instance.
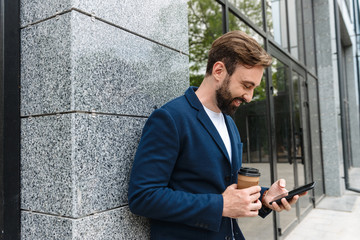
(248, 96)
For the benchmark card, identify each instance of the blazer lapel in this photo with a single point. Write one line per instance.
(209, 126)
(234, 147)
(205, 120)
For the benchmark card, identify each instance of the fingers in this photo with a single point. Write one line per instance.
(241, 202)
(303, 194)
(255, 197)
(294, 199)
(254, 208)
(254, 189)
(276, 207)
(285, 205)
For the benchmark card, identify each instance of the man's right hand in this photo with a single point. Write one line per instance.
(241, 202)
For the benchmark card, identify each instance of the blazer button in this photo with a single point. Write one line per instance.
(227, 238)
(227, 178)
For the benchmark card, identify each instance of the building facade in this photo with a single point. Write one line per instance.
(80, 78)
(303, 123)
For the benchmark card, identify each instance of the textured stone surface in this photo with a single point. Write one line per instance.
(163, 21)
(114, 224)
(122, 73)
(32, 11)
(46, 67)
(103, 151)
(78, 63)
(46, 165)
(329, 99)
(77, 164)
(45, 227)
(127, 58)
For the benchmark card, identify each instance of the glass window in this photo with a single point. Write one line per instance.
(315, 136)
(283, 134)
(236, 24)
(251, 9)
(205, 25)
(301, 153)
(251, 121)
(276, 21)
(296, 29)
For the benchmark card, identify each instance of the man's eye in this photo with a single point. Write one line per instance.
(246, 86)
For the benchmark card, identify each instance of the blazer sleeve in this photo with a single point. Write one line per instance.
(149, 194)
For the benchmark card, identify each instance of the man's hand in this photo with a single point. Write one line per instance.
(241, 202)
(276, 189)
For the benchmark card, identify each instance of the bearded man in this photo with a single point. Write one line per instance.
(185, 169)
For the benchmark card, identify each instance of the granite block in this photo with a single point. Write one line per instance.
(45, 227)
(162, 21)
(103, 150)
(77, 63)
(118, 223)
(46, 67)
(32, 11)
(122, 73)
(77, 164)
(46, 165)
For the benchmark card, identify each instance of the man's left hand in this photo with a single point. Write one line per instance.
(276, 189)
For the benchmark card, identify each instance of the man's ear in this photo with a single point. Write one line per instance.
(219, 71)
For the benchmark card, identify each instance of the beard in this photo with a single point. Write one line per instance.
(225, 99)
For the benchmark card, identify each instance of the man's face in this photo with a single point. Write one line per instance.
(238, 88)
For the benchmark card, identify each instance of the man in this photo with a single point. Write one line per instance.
(185, 169)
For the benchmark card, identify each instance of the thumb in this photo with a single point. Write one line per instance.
(282, 183)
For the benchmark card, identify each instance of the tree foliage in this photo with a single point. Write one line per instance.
(206, 24)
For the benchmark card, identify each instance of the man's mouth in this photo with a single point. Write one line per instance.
(238, 101)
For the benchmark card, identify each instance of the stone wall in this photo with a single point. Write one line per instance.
(329, 96)
(91, 73)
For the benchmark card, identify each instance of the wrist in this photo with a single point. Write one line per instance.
(263, 198)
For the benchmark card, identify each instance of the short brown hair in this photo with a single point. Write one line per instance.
(235, 48)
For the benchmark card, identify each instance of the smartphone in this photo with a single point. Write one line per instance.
(292, 193)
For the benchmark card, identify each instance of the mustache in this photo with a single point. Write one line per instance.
(241, 99)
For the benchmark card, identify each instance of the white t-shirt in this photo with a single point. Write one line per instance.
(219, 122)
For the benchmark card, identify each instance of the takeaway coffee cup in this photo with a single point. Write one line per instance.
(248, 177)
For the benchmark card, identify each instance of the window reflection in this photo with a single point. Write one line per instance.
(276, 21)
(236, 24)
(298, 146)
(285, 167)
(282, 111)
(252, 10)
(251, 121)
(295, 29)
(205, 25)
(301, 144)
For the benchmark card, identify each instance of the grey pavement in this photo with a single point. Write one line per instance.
(334, 218)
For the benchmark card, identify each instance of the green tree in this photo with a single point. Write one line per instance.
(205, 25)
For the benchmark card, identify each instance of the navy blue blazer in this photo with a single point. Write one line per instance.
(180, 169)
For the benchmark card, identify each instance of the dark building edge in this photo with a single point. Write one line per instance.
(10, 119)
